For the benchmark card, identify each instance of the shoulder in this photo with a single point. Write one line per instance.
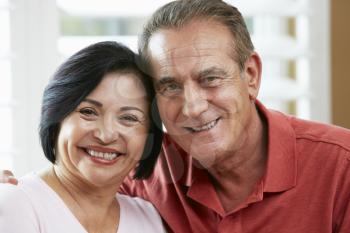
(16, 207)
(139, 214)
(136, 205)
(322, 133)
(328, 142)
(323, 152)
(23, 191)
(312, 143)
(310, 133)
(25, 196)
(19, 195)
(11, 195)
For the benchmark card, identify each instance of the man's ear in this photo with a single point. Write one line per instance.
(252, 74)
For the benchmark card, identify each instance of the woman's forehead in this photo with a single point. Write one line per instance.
(123, 85)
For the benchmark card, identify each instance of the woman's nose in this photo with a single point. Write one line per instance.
(106, 132)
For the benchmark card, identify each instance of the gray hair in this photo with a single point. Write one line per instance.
(177, 14)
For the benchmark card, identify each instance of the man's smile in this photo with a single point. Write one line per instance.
(204, 127)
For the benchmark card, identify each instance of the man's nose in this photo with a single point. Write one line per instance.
(195, 101)
(106, 132)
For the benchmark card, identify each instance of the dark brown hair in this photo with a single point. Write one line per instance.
(80, 75)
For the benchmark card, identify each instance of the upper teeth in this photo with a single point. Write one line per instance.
(204, 127)
(103, 155)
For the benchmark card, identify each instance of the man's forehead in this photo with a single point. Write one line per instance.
(194, 69)
(189, 56)
(161, 48)
(191, 40)
(182, 51)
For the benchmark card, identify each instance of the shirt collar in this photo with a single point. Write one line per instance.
(281, 170)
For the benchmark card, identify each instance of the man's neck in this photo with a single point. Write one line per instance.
(236, 177)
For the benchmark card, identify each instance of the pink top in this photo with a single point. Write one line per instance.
(33, 207)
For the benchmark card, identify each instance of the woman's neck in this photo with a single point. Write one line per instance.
(96, 208)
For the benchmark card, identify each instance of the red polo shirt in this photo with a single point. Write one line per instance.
(306, 188)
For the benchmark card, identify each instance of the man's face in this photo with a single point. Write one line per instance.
(204, 100)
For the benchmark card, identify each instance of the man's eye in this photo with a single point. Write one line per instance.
(210, 81)
(170, 88)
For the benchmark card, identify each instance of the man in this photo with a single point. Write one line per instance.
(229, 164)
(7, 177)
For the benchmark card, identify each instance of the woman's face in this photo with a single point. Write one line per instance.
(104, 137)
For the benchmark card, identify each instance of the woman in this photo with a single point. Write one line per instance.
(97, 124)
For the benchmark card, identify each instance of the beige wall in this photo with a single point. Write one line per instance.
(340, 29)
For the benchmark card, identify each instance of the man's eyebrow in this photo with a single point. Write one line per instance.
(207, 72)
(94, 102)
(164, 80)
(212, 71)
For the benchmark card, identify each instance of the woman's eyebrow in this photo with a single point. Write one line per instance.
(94, 102)
(128, 108)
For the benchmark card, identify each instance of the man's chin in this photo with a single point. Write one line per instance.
(206, 156)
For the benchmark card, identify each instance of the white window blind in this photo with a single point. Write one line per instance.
(32, 57)
(6, 103)
(292, 36)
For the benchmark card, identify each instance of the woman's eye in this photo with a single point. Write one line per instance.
(129, 118)
(88, 112)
